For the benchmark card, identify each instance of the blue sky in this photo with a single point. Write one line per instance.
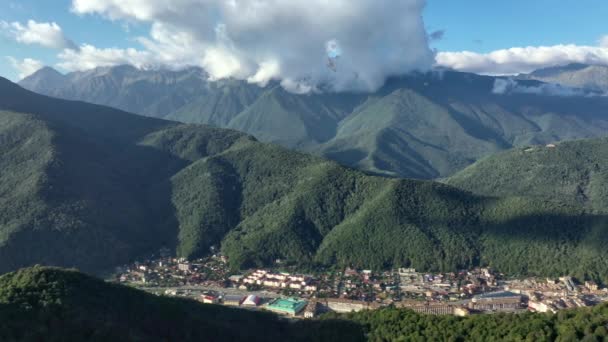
(480, 26)
(510, 23)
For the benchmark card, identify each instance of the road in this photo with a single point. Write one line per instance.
(196, 290)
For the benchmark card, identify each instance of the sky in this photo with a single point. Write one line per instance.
(287, 40)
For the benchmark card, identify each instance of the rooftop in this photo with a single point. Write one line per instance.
(503, 294)
(288, 305)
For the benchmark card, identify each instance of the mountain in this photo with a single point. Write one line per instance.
(593, 77)
(92, 187)
(424, 125)
(49, 304)
(575, 172)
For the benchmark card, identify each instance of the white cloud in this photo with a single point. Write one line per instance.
(603, 41)
(45, 34)
(25, 67)
(89, 57)
(522, 60)
(267, 39)
(266, 72)
(509, 86)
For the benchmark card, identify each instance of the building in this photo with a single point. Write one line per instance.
(496, 301)
(591, 285)
(251, 300)
(310, 288)
(184, 267)
(311, 309)
(286, 306)
(272, 283)
(461, 311)
(346, 305)
(235, 278)
(428, 308)
(233, 300)
(209, 299)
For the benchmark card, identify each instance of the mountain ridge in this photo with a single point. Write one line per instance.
(473, 121)
(114, 187)
(575, 75)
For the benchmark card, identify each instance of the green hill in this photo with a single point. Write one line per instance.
(421, 125)
(584, 324)
(49, 304)
(92, 187)
(575, 172)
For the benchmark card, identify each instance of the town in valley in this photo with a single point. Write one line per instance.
(288, 292)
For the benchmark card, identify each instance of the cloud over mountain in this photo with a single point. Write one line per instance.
(25, 67)
(523, 59)
(274, 39)
(511, 86)
(45, 34)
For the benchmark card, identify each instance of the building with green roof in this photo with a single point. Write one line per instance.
(287, 306)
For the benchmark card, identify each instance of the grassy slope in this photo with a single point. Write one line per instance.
(118, 185)
(58, 305)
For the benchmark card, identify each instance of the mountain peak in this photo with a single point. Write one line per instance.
(43, 79)
(45, 71)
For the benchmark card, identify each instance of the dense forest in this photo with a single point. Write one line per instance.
(91, 187)
(586, 324)
(574, 172)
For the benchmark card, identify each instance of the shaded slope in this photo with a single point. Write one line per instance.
(91, 194)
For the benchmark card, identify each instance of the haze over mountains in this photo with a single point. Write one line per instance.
(93, 187)
(422, 126)
(594, 77)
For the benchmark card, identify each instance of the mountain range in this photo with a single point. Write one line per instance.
(593, 77)
(93, 187)
(423, 125)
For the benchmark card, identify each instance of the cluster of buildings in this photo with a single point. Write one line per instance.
(172, 272)
(552, 295)
(456, 293)
(280, 281)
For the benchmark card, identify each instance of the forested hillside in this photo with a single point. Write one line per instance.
(102, 187)
(575, 172)
(423, 125)
(585, 324)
